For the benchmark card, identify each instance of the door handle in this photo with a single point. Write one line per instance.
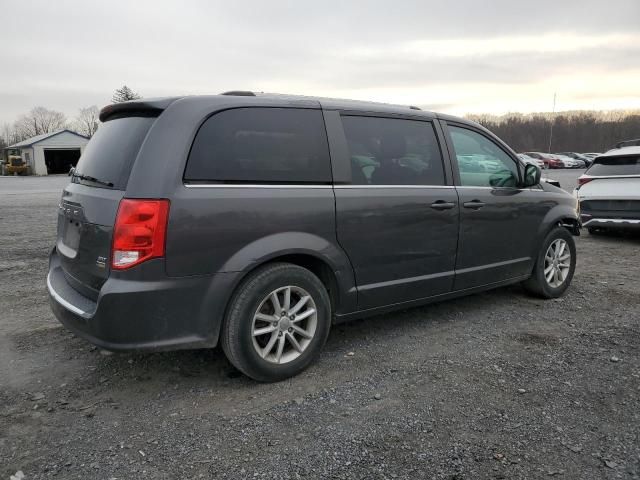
(474, 204)
(442, 205)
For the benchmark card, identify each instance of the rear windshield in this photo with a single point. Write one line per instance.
(109, 156)
(615, 166)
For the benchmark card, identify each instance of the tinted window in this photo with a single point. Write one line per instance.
(481, 162)
(615, 166)
(387, 151)
(259, 145)
(111, 152)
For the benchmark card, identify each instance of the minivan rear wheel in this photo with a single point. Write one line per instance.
(555, 265)
(277, 322)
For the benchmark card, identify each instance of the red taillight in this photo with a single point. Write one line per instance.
(583, 179)
(139, 232)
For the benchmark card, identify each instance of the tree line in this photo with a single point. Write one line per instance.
(41, 120)
(572, 131)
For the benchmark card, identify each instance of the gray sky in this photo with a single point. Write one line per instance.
(458, 57)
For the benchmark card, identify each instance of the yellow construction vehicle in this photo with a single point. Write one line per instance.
(13, 164)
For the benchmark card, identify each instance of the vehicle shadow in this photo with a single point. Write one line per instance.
(632, 236)
(209, 368)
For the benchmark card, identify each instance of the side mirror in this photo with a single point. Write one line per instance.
(72, 170)
(532, 174)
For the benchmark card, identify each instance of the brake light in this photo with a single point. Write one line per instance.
(139, 233)
(584, 179)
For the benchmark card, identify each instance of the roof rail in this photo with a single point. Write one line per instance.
(413, 107)
(239, 93)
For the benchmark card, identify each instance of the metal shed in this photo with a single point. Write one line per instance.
(54, 152)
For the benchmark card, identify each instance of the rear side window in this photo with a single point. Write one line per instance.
(615, 166)
(261, 145)
(393, 151)
(110, 154)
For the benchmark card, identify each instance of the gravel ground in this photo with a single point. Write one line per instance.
(496, 385)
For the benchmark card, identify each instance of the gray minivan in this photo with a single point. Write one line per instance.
(261, 220)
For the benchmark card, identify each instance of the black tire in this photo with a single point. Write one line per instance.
(538, 284)
(237, 334)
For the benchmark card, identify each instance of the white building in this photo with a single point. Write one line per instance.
(54, 152)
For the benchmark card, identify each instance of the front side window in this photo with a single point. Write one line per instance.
(261, 145)
(481, 162)
(391, 151)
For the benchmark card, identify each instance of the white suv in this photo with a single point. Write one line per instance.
(609, 191)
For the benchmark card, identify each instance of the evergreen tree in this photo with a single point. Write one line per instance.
(124, 94)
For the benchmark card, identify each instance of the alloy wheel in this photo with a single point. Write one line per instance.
(284, 324)
(557, 263)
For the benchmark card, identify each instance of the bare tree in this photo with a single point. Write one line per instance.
(124, 94)
(573, 131)
(86, 122)
(8, 134)
(38, 121)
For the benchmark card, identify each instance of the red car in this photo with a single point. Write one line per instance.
(549, 160)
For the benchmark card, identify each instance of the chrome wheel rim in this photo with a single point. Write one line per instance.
(557, 263)
(284, 324)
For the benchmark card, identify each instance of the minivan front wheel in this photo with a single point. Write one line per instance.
(555, 265)
(277, 322)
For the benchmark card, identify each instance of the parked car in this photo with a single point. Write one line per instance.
(591, 155)
(578, 156)
(609, 191)
(258, 221)
(567, 162)
(548, 161)
(553, 161)
(571, 162)
(528, 159)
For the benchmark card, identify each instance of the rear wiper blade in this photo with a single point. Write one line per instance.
(89, 178)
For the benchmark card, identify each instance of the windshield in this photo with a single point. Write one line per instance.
(109, 156)
(615, 166)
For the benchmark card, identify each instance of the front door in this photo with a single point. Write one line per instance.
(398, 218)
(498, 220)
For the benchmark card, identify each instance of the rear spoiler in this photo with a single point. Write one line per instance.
(148, 107)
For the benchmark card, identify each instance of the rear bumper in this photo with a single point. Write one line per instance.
(617, 223)
(143, 315)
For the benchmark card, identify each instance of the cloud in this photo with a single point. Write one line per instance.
(75, 53)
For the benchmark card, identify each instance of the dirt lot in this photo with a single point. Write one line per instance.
(497, 385)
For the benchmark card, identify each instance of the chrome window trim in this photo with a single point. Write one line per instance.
(288, 185)
(490, 188)
(393, 186)
(251, 185)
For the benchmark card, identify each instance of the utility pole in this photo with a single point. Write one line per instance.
(553, 119)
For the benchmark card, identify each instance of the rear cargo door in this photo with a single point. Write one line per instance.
(613, 190)
(89, 204)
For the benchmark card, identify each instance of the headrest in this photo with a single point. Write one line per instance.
(392, 146)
